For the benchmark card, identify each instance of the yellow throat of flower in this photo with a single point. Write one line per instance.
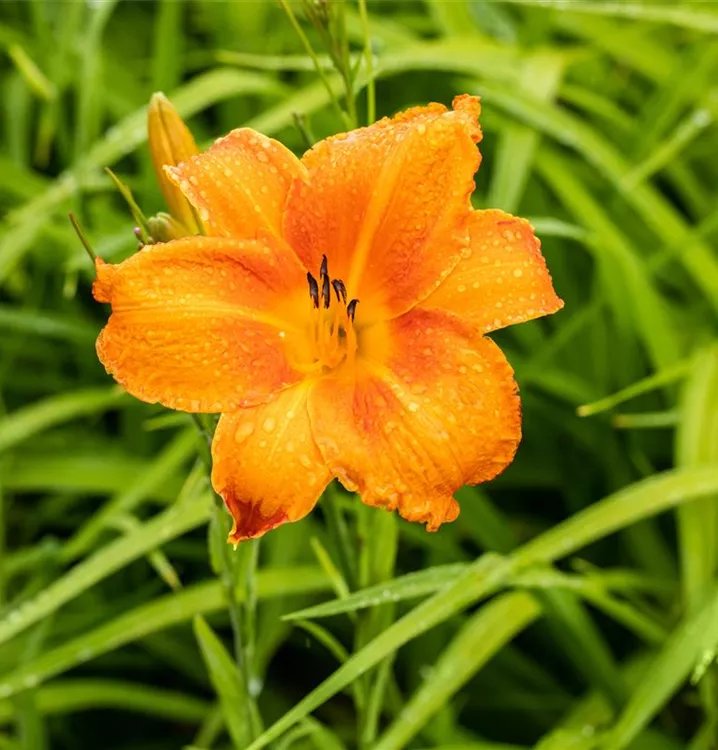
(330, 336)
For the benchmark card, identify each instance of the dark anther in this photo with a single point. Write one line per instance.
(326, 291)
(352, 309)
(313, 289)
(340, 290)
(323, 269)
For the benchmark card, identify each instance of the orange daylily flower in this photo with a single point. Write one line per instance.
(335, 317)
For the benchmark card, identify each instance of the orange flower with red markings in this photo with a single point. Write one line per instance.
(335, 316)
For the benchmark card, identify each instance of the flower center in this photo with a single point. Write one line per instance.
(331, 335)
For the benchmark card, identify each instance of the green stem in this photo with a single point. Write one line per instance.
(317, 64)
(370, 86)
(241, 615)
(238, 618)
(3, 540)
(81, 235)
(339, 531)
(3, 551)
(247, 572)
(375, 704)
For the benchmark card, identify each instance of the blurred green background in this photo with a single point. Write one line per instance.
(574, 603)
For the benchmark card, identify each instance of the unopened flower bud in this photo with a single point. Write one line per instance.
(164, 228)
(171, 143)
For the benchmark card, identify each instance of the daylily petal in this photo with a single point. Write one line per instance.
(239, 185)
(388, 204)
(439, 412)
(266, 465)
(194, 322)
(504, 280)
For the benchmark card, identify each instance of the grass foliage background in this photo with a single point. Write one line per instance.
(573, 605)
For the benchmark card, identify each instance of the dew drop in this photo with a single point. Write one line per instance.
(243, 432)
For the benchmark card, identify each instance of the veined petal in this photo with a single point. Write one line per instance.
(239, 185)
(504, 280)
(439, 412)
(388, 204)
(266, 465)
(195, 322)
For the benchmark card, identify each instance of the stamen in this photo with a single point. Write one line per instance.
(340, 290)
(326, 293)
(351, 309)
(332, 336)
(313, 289)
(351, 335)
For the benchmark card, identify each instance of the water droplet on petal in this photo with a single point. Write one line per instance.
(244, 431)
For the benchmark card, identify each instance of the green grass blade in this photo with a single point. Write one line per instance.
(173, 522)
(644, 499)
(144, 485)
(440, 607)
(24, 224)
(697, 445)
(158, 614)
(678, 14)
(664, 676)
(23, 424)
(227, 682)
(635, 503)
(657, 213)
(408, 586)
(646, 385)
(51, 326)
(541, 74)
(80, 472)
(85, 694)
(485, 633)
(640, 303)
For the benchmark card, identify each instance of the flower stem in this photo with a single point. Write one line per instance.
(317, 64)
(83, 239)
(232, 567)
(241, 614)
(370, 86)
(339, 531)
